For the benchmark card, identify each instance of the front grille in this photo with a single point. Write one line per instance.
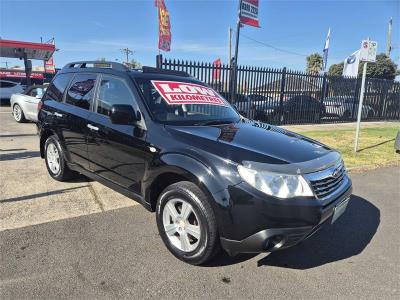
(328, 182)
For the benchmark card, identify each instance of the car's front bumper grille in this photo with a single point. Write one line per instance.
(326, 182)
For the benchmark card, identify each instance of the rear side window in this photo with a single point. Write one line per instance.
(81, 90)
(6, 84)
(56, 89)
(112, 91)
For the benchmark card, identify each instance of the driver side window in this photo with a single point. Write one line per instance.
(112, 91)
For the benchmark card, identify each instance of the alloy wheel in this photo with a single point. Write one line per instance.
(53, 158)
(17, 112)
(181, 225)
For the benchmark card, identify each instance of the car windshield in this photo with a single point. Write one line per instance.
(185, 102)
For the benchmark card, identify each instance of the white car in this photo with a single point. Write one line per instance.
(7, 88)
(25, 105)
(342, 107)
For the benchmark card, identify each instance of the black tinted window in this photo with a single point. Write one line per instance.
(6, 84)
(81, 90)
(112, 91)
(56, 89)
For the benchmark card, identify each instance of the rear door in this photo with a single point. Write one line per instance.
(116, 152)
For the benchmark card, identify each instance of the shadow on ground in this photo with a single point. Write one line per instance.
(347, 237)
(41, 195)
(19, 155)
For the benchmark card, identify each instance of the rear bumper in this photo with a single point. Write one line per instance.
(272, 239)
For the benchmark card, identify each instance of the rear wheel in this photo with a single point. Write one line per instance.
(55, 162)
(187, 224)
(18, 114)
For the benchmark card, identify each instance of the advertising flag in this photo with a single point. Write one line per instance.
(351, 64)
(249, 12)
(217, 69)
(326, 49)
(164, 27)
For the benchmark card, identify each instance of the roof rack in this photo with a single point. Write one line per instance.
(97, 64)
(163, 71)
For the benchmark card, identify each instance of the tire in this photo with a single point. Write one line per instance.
(55, 162)
(18, 114)
(193, 236)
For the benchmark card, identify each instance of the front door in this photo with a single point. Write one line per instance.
(116, 152)
(74, 117)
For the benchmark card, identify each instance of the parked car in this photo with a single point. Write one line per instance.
(342, 107)
(7, 88)
(249, 105)
(25, 105)
(213, 178)
(297, 108)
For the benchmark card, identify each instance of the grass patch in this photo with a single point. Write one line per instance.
(376, 145)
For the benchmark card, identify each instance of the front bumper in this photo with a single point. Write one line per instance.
(285, 226)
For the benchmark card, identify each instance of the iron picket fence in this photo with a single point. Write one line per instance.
(283, 96)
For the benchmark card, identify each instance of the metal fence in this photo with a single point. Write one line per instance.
(282, 96)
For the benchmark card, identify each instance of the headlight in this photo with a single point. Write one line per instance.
(274, 184)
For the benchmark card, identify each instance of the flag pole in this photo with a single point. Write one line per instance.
(235, 60)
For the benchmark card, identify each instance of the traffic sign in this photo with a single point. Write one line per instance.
(368, 51)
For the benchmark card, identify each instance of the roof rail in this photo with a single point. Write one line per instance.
(163, 71)
(97, 64)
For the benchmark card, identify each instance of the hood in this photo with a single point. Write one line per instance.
(250, 141)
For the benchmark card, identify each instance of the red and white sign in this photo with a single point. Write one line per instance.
(249, 13)
(7, 74)
(176, 93)
(49, 65)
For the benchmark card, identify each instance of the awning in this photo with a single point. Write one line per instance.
(17, 49)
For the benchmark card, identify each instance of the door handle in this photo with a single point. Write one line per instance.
(58, 114)
(92, 127)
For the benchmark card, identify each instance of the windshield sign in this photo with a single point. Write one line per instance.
(174, 92)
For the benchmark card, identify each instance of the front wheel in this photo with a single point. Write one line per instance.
(187, 224)
(18, 114)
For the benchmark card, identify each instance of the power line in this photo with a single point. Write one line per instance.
(273, 47)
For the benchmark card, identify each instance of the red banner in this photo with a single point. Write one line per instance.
(164, 27)
(217, 69)
(176, 93)
(249, 13)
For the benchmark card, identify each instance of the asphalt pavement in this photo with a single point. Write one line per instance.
(88, 250)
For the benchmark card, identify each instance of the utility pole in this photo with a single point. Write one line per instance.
(127, 52)
(389, 39)
(230, 44)
(235, 60)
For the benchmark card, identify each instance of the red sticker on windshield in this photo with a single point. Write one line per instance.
(175, 93)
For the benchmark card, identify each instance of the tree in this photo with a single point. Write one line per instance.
(314, 63)
(133, 64)
(383, 68)
(336, 69)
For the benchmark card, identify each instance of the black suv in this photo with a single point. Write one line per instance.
(213, 178)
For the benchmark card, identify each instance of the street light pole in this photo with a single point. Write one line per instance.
(235, 60)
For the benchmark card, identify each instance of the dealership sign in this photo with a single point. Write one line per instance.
(176, 93)
(7, 74)
(368, 51)
(249, 13)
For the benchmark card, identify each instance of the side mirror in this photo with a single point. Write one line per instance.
(123, 114)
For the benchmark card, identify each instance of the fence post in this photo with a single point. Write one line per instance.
(159, 61)
(282, 93)
(324, 86)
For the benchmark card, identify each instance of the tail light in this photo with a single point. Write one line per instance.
(39, 105)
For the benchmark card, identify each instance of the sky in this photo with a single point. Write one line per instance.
(93, 29)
